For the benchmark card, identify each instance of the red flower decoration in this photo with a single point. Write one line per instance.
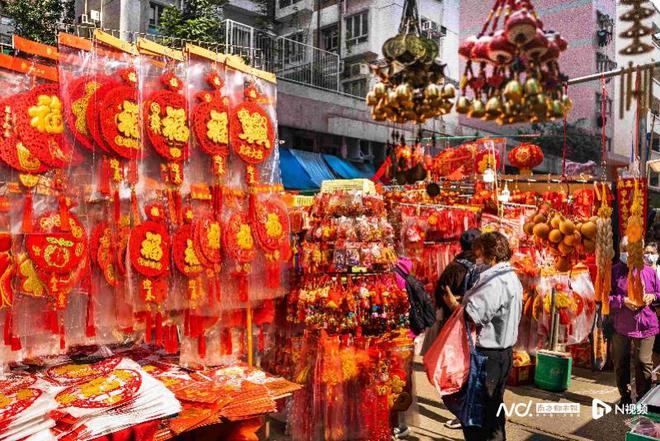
(526, 156)
(149, 249)
(166, 122)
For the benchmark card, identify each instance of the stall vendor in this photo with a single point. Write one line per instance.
(634, 326)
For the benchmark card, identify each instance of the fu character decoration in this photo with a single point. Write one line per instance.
(149, 253)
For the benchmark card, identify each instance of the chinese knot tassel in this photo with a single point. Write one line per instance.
(90, 328)
(227, 348)
(27, 213)
(104, 177)
(64, 214)
(159, 328)
(117, 207)
(201, 346)
(7, 334)
(148, 326)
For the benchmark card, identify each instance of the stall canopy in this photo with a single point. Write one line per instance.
(345, 169)
(294, 176)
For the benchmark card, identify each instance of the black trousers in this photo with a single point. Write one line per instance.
(498, 367)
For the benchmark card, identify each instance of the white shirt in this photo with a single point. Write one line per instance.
(495, 304)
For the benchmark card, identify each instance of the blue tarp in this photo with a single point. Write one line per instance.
(314, 165)
(345, 169)
(294, 176)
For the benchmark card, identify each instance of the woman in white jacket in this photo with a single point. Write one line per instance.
(494, 305)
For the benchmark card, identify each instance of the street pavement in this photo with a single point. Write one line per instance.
(428, 415)
(585, 386)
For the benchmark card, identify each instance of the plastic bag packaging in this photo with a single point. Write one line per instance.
(447, 362)
(584, 296)
(644, 426)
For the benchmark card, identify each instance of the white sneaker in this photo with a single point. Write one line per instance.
(401, 432)
(453, 424)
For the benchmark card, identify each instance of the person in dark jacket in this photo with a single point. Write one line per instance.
(464, 265)
(454, 274)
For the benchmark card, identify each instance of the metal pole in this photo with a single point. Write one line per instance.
(612, 73)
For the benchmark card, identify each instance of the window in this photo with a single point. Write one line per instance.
(654, 179)
(285, 3)
(431, 29)
(155, 12)
(357, 28)
(604, 63)
(605, 29)
(356, 87)
(294, 48)
(330, 38)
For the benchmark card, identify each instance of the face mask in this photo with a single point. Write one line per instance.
(623, 257)
(650, 259)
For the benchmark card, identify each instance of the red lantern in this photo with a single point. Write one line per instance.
(526, 156)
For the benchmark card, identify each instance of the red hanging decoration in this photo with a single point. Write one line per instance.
(81, 92)
(149, 249)
(251, 130)
(271, 228)
(166, 120)
(239, 245)
(118, 118)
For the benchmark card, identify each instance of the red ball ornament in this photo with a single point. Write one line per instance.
(526, 156)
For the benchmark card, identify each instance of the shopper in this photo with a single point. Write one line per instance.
(635, 327)
(459, 275)
(494, 305)
(651, 259)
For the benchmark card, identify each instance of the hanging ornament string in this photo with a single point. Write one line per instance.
(565, 147)
(603, 135)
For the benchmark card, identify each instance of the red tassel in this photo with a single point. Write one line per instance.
(51, 322)
(241, 347)
(159, 329)
(148, 326)
(218, 289)
(62, 342)
(135, 212)
(273, 274)
(64, 214)
(90, 328)
(117, 207)
(227, 342)
(186, 323)
(201, 346)
(27, 213)
(132, 171)
(15, 343)
(104, 177)
(178, 207)
(243, 287)
(261, 340)
(7, 334)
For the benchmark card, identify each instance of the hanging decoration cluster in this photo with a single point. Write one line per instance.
(637, 30)
(411, 86)
(512, 72)
(142, 203)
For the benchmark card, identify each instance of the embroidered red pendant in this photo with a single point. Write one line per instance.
(40, 125)
(166, 120)
(251, 130)
(149, 249)
(102, 253)
(81, 90)
(271, 225)
(184, 254)
(12, 150)
(55, 249)
(238, 239)
(94, 110)
(207, 236)
(210, 123)
(118, 119)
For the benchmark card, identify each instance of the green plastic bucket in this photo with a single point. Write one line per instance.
(553, 370)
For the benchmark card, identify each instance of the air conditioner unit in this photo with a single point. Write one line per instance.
(95, 15)
(428, 25)
(358, 69)
(84, 19)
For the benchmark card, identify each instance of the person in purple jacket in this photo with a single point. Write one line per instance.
(634, 327)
